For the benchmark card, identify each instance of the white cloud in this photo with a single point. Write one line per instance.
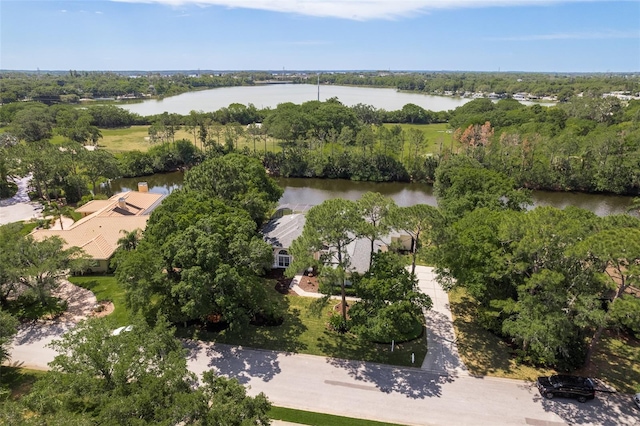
(602, 35)
(360, 10)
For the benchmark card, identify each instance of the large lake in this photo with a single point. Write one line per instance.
(270, 95)
(315, 191)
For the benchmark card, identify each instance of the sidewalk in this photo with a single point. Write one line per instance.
(300, 292)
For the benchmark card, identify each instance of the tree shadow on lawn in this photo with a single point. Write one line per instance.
(616, 360)
(229, 351)
(482, 352)
(605, 410)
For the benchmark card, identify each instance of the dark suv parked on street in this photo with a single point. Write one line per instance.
(580, 388)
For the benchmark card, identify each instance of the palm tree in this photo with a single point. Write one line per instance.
(130, 240)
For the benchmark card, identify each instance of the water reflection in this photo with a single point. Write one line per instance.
(315, 191)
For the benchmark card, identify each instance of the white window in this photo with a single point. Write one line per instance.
(283, 259)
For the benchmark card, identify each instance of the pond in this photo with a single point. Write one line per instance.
(315, 191)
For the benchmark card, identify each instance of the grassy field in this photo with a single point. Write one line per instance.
(132, 138)
(616, 359)
(438, 136)
(105, 287)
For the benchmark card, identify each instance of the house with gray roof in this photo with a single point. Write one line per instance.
(280, 232)
(286, 226)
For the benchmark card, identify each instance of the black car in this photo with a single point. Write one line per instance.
(580, 388)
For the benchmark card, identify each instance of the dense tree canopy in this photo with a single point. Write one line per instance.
(199, 258)
(391, 304)
(462, 185)
(135, 377)
(8, 328)
(33, 266)
(239, 180)
(538, 276)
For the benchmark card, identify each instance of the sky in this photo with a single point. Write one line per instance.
(318, 35)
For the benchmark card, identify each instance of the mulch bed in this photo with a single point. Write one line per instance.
(309, 284)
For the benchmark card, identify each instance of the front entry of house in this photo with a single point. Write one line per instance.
(282, 259)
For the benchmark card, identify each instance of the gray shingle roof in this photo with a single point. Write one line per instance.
(280, 232)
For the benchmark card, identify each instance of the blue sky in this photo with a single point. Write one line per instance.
(471, 35)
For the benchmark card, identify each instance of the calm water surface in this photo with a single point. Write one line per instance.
(269, 96)
(315, 191)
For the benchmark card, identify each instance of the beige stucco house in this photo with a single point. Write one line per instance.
(103, 223)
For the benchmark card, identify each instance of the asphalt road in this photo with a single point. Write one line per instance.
(409, 396)
(440, 393)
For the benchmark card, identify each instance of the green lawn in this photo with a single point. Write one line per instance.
(305, 332)
(105, 287)
(484, 353)
(616, 359)
(301, 331)
(18, 380)
(132, 138)
(319, 419)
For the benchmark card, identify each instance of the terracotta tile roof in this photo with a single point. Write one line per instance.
(93, 206)
(98, 236)
(99, 232)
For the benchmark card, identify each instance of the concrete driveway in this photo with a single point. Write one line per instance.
(19, 207)
(442, 356)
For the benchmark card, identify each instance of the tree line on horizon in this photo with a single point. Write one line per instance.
(71, 86)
